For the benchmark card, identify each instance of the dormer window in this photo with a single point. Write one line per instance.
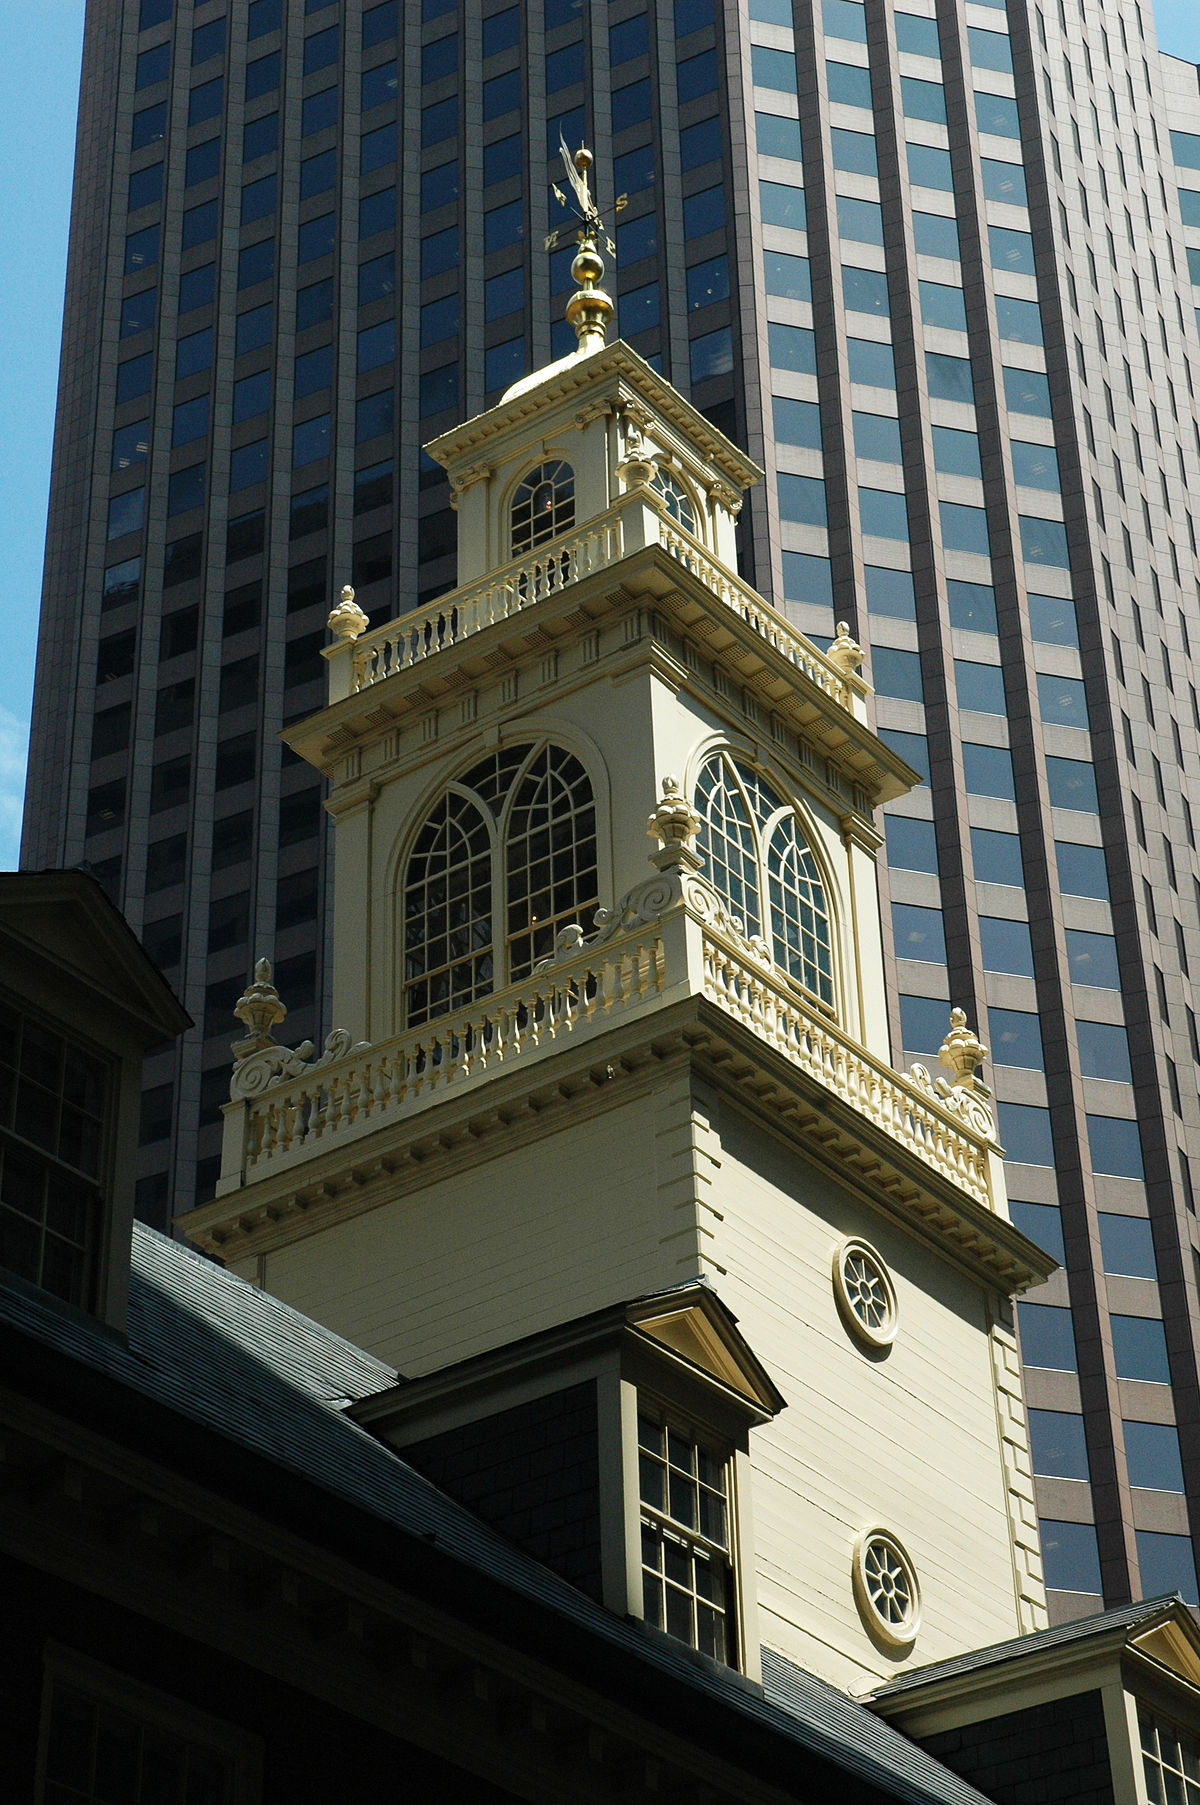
(53, 1104)
(503, 860)
(675, 499)
(759, 863)
(543, 506)
(687, 1574)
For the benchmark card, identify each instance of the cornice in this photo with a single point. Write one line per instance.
(673, 600)
(623, 378)
(456, 1131)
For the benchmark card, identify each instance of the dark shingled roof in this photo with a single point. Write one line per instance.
(212, 1348)
(1080, 1629)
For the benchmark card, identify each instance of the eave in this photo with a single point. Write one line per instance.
(614, 373)
(679, 609)
(459, 1127)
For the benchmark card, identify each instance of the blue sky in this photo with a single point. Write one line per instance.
(39, 81)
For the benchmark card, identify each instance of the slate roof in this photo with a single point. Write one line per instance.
(1122, 1616)
(212, 1348)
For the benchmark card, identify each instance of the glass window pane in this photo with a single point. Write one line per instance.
(1127, 1245)
(1104, 1053)
(923, 99)
(1006, 945)
(1152, 1451)
(936, 235)
(1166, 1564)
(1092, 959)
(860, 221)
(1042, 1223)
(924, 1024)
(1140, 1349)
(1015, 1038)
(890, 592)
(1071, 1557)
(972, 606)
(964, 528)
(1082, 870)
(1027, 392)
(896, 673)
(877, 436)
(949, 378)
(848, 84)
(796, 422)
(864, 290)
(1027, 1139)
(996, 857)
(883, 513)
(1116, 1146)
(919, 934)
(956, 452)
(870, 363)
(854, 151)
(1052, 620)
(1058, 1444)
(911, 844)
(1047, 1338)
(777, 136)
(988, 770)
(1072, 784)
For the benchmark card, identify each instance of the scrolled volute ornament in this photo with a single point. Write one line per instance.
(258, 1071)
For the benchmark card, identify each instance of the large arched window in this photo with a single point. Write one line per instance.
(502, 861)
(543, 506)
(758, 861)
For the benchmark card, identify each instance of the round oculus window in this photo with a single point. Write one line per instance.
(865, 1293)
(885, 1589)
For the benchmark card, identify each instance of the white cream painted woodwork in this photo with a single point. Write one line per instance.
(659, 1101)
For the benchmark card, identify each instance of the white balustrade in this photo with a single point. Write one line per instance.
(884, 1097)
(756, 613)
(373, 1085)
(412, 638)
(456, 616)
(296, 1117)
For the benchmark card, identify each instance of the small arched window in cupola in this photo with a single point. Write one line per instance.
(675, 498)
(543, 506)
(760, 864)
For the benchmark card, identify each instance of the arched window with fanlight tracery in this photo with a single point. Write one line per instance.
(759, 862)
(543, 506)
(503, 860)
(674, 498)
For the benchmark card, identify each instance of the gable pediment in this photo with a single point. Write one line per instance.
(63, 920)
(696, 1326)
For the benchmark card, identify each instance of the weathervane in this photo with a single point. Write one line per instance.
(589, 308)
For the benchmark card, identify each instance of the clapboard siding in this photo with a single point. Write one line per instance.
(909, 1440)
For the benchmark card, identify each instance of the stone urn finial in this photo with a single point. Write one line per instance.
(347, 620)
(261, 1009)
(845, 653)
(961, 1051)
(637, 466)
(674, 823)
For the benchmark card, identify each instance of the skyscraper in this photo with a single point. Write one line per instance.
(928, 264)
